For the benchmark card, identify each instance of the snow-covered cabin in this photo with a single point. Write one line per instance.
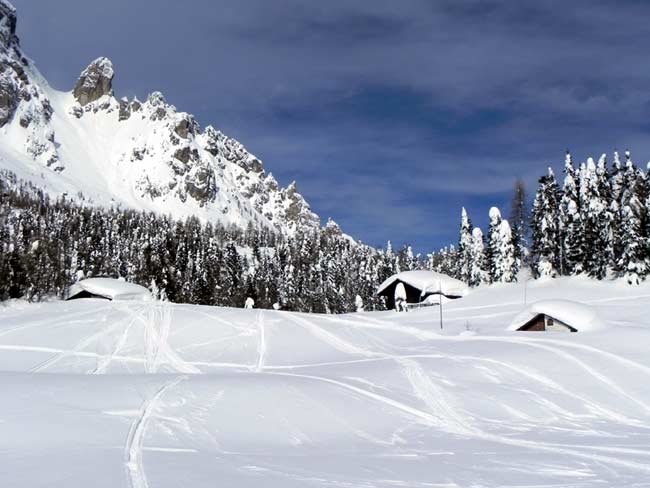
(556, 316)
(420, 285)
(108, 289)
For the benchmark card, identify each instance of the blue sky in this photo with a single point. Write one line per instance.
(390, 115)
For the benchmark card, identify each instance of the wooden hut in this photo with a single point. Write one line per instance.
(556, 316)
(108, 289)
(420, 285)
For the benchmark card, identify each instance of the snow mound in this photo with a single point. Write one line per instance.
(110, 288)
(427, 282)
(575, 314)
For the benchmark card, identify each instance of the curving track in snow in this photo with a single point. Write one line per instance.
(277, 399)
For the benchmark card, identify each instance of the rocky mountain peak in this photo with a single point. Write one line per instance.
(95, 81)
(154, 156)
(7, 22)
(156, 99)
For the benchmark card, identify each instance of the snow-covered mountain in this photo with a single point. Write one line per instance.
(139, 154)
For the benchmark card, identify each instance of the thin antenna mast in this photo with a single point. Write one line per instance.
(440, 301)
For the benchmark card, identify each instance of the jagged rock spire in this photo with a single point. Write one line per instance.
(7, 22)
(95, 81)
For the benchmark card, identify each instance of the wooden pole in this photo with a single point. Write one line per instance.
(440, 302)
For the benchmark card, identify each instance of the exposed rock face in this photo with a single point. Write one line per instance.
(298, 211)
(8, 98)
(95, 81)
(186, 126)
(11, 73)
(125, 109)
(218, 144)
(147, 152)
(200, 184)
(7, 23)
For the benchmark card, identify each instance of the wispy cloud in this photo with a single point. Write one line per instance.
(391, 115)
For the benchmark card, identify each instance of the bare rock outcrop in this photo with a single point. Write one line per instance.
(7, 23)
(95, 81)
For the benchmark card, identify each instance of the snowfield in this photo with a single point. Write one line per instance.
(152, 394)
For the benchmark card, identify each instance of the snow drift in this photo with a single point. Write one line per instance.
(110, 289)
(427, 282)
(577, 315)
(159, 395)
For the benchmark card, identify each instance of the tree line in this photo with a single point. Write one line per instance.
(48, 244)
(596, 223)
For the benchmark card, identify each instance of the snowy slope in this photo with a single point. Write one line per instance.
(143, 155)
(151, 394)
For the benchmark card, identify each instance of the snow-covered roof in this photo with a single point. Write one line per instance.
(575, 314)
(427, 282)
(110, 288)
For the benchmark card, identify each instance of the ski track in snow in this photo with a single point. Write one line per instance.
(54, 322)
(330, 338)
(537, 343)
(262, 341)
(133, 448)
(104, 332)
(543, 344)
(104, 362)
(157, 327)
(421, 366)
(454, 423)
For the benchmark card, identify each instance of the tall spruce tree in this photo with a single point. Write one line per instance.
(545, 249)
(493, 246)
(633, 264)
(477, 273)
(595, 218)
(617, 186)
(465, 247)
(518, 220)
(505, 263)
(571, 228)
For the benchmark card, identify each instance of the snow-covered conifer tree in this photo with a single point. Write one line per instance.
(493, 245)
(617, 186)
(477, 274)
(595, 218)
(630, 179)
(358, 303)
(545, 249)
(445, 261)
(571, 228)
(519, 220)
(465, 247)
(632, 263)
(505, 263)
(617, 179)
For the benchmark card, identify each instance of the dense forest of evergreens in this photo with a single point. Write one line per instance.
(48, 244)
(597, 223)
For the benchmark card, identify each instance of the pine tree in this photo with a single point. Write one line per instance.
(632, 262)
(493, 246)
(465, 247)
(617, 186)
(477, 273)
(519, 220)
(643, 195)
(571, 228)
(545, 249)
(631, 179)
(506, 267)
(595, 218)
